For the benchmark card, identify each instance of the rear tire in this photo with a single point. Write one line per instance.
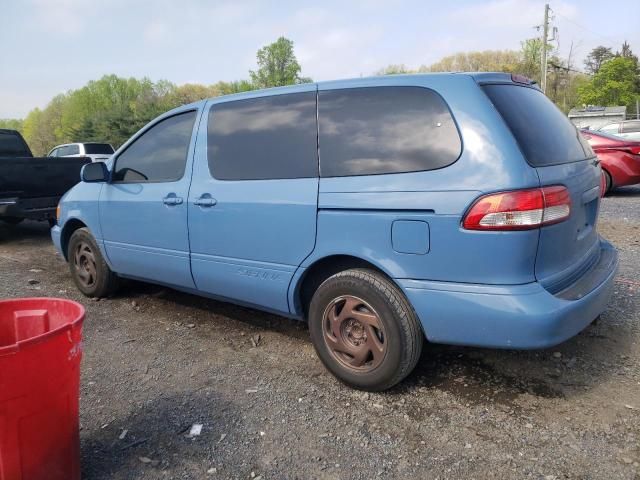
(364, 330)
(89, 271)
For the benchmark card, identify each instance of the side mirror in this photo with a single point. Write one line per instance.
(94, 172)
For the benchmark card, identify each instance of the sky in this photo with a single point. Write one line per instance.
(52, 46)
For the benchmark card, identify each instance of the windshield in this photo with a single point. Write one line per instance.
(97, 148)
(544, 133)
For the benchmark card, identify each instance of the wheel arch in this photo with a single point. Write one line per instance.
(321, 269)
(70, 226)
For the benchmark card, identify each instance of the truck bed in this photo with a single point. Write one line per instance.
(31, 187)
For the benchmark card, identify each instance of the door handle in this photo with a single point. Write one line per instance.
(205, 200)
(172, 200)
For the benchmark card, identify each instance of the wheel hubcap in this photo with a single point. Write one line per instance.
(84, 263)
(354, 333)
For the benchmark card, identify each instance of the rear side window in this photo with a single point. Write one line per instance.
(98, 148)
(545, 135)
(12, 145)
(264, 138)
(159, 154)
(376, 130)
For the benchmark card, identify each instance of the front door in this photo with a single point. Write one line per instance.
(143, 210)
(253, 201)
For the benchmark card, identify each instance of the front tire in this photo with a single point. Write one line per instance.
(364, 330)
(89, 271)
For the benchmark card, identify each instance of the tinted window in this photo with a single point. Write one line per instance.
(160, 154)
(377, 130)
(544, 133)
(631, 127)
(12, 145)
(68, 150)
(264, 138)
(97, 148)
(54, 152)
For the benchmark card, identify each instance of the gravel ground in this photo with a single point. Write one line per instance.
(157, 361)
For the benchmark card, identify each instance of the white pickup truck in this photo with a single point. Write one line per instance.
(97, 152)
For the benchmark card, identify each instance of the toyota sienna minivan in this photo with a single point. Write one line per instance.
(453, 208)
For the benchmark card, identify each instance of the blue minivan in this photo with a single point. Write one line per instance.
(456, 208)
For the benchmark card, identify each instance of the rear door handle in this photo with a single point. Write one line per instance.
(171, 199)
(205, 200)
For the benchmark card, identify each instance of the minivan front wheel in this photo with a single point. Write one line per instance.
(89, 271)
(364, 330)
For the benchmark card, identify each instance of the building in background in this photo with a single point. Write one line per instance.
(596, 117)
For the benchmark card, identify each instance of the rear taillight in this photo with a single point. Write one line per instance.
(519, 209)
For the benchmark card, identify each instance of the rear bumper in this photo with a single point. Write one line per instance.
(512, 316)
(33, 208)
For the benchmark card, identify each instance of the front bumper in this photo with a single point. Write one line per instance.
(512, 316)
(56, 237)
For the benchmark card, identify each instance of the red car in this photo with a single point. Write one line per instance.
(619, 157)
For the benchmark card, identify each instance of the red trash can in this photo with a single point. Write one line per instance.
(40, 352)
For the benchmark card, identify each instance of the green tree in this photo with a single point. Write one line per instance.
(11, 123)
(237, 86)
(596, 58)
(481, 61)
(393, 70)
(277, 66)
(616, 83)
(626, 52)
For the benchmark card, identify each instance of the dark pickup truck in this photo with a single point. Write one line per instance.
(31, 187)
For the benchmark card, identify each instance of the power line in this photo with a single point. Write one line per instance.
(612, 42)
(562, 67)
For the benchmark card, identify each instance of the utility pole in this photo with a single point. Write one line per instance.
(543, 62)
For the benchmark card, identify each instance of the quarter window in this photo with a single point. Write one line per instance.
(264, 138)
(376, 130)
(159, 154)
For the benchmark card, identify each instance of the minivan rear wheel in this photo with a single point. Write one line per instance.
(89, 270)
(364, 330)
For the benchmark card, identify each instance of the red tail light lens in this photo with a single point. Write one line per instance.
(519, 209)
(635, 150)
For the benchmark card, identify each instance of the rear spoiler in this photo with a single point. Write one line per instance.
(493, 78)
